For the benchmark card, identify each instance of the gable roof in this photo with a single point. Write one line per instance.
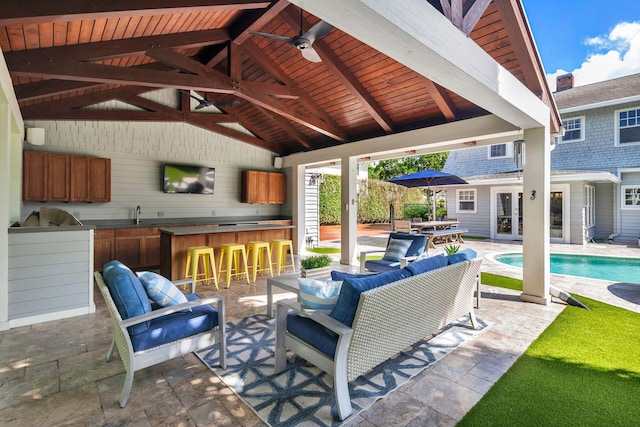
(66, 57)
(600, 94)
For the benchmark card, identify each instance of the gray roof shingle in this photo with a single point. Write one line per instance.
(609, 90)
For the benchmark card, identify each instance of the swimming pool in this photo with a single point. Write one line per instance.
(596, 267)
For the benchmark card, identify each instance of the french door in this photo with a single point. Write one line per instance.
(506, 213)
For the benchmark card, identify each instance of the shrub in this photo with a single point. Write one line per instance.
(316, 261)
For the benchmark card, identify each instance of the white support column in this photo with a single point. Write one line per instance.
(535, 217)
(349, 210)
(298, 206)
(5, 201)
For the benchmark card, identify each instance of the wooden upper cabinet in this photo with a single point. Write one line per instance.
(277, 188)
(99, 179)
(263, 187)
(55, 177)
(79, 181)
(45, 177)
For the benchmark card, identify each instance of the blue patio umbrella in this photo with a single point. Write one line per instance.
(428, 178)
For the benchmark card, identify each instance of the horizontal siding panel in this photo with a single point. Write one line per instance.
(46, 271)
(48, 294)
(51, 280)
(51, 260)
(33, 250)
(31, 308)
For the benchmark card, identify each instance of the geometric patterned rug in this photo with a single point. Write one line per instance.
(303, 393)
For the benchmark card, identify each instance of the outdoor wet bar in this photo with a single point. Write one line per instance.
(175, 241)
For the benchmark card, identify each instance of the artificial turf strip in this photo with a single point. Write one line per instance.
(583, 370)
(324, 250)
(500, 281)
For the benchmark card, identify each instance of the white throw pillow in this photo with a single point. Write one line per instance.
(160, 290)
(321, 295)
(396, 249)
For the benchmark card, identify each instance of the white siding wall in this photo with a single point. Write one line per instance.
(137, 152)
(50, 275)
(629, 218)
(477, 223)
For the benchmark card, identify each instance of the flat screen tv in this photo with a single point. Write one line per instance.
(188, 179)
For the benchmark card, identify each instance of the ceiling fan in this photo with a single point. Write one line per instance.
(303, 41)
(204, 102)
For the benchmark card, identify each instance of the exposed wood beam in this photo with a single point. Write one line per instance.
(118, 48)
(287, 127)
(110, 115)
(474, 11)
(251, 20)
(41, 11)
(335, 65)
(45, 88)
(441, 99)
(272, 68)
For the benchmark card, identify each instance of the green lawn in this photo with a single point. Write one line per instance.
(583, 370)
(324, 250)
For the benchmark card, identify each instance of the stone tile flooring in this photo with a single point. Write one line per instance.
(55, 373)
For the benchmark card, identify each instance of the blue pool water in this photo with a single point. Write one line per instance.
(596, 267)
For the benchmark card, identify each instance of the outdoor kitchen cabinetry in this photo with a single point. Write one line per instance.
(263, 187)
(90, 179)
(138, 247)
(103, 247)
(46, 177)
(56, 177)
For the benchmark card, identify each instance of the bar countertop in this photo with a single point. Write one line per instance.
(232, 228)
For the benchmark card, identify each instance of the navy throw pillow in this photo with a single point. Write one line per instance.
(464, 255)
(427, 264)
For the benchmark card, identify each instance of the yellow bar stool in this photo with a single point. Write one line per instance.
(194, 255)
(256, 253)
(232, 252)
(280, 247)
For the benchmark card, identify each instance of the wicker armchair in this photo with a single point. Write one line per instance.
(162, 334)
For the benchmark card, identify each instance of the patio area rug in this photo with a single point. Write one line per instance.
(304, 394)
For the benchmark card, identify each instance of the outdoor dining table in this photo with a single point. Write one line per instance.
(434, 225)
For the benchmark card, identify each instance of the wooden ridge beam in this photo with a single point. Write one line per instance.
(44, 88)
(440, 97)
(41, 11)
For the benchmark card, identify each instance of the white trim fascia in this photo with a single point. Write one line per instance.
(417, 35)
(448, 136)
(601, 104)
(589, 176)
(8, 96)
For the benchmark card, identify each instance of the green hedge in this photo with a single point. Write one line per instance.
(374, 198)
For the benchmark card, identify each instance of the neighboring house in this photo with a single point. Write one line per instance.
(595, 171)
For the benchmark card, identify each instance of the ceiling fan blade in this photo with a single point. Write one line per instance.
(318, 31)
(200, 106)
(272, 36)
(310, 54)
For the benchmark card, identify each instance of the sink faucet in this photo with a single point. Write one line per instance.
(138, 213)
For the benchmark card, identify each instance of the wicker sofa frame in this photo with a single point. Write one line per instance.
(134, 361)
(388, 319)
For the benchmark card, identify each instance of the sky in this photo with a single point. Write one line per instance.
(595, 40)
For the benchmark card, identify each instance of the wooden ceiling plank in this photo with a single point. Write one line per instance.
(38, 11)
(331, 61)
(118, 48)
(251, 20)
(473, 15)
(286, 126)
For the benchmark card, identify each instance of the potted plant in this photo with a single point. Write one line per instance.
(441, 213)
(316, 265)
(451, 249)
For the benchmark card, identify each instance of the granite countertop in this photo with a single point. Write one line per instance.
(180, 222)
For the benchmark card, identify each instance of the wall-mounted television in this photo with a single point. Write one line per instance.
(188, 179)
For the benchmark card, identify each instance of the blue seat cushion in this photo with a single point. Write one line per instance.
(345, 309)
(341, 275)
(175, 326)
(427, 264)
(127, 293)
(418, 242)
(312, 333)
(381, 265)
(463, 255)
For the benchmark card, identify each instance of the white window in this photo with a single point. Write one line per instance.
(500, 151)
(573, 129)
(590, 205)
(466, 201)
(627, 126)
(631, 197)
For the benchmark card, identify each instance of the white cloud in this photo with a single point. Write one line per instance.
(614, 55)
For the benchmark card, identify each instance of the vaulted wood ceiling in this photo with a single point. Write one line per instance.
(67, 55)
